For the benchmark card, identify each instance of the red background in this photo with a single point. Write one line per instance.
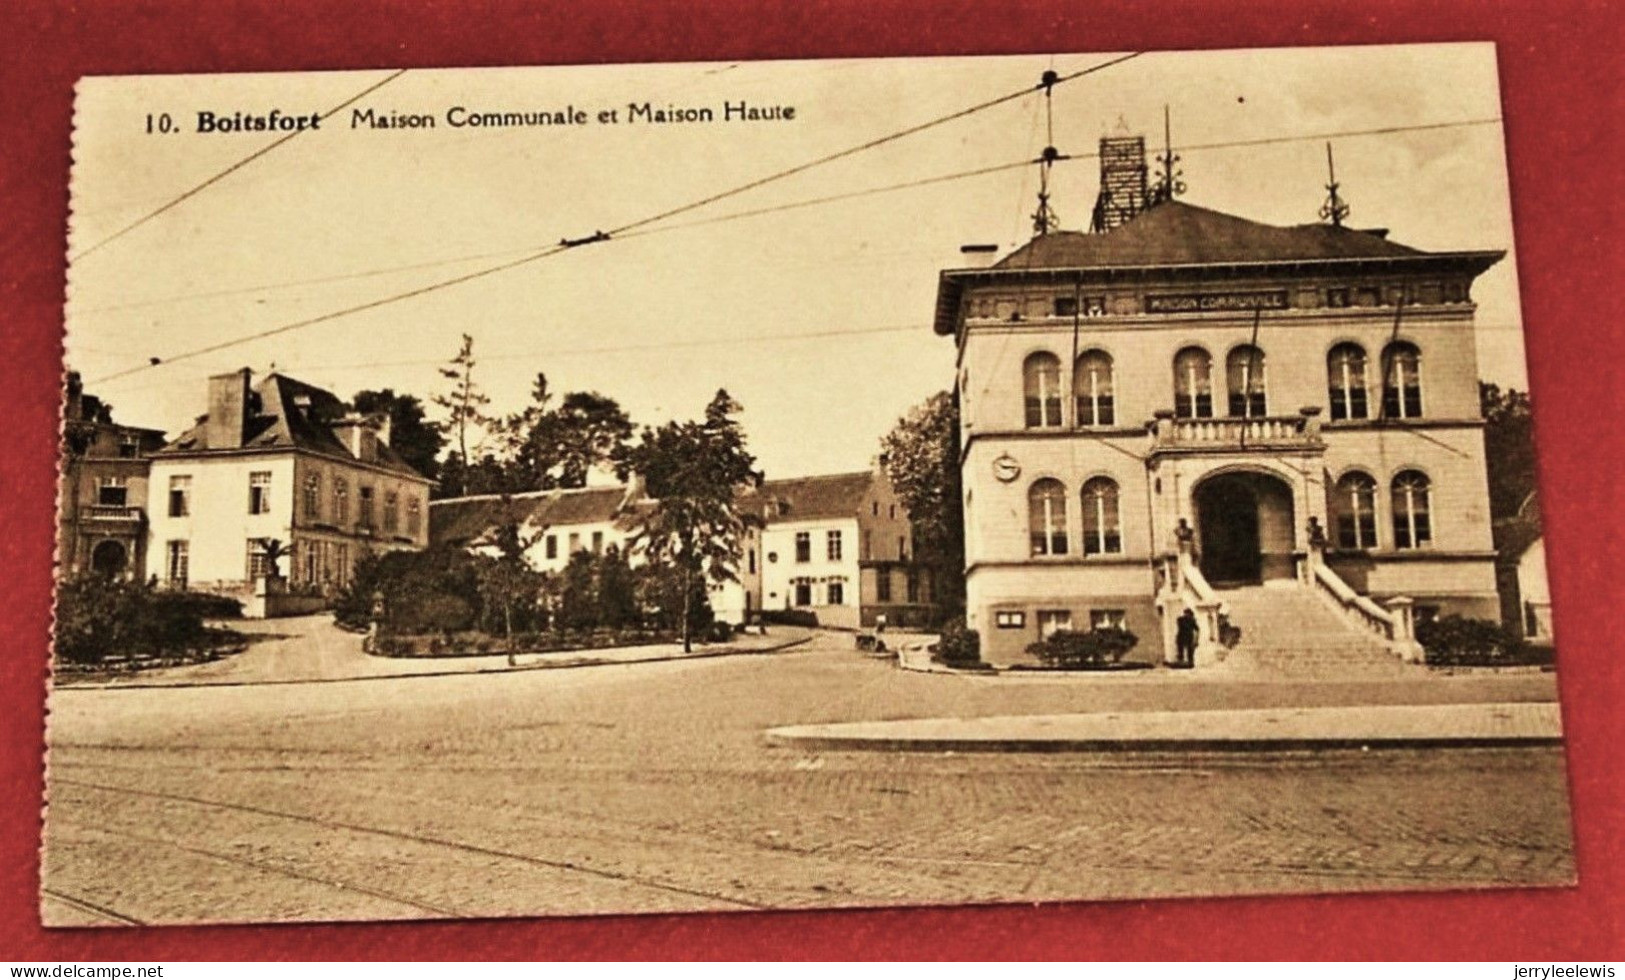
(1561, 73)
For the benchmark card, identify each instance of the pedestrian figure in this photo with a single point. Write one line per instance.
(1185, 635)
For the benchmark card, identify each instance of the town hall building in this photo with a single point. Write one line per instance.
(1277, 428)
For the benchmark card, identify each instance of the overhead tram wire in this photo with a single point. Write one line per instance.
(240, 164)
(599, 236)
(771, 209)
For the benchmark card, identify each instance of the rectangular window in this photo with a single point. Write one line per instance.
(803, 546)
(837, 593)
(364, 509)
(175, 567)
(883, 584)
(341, 565)
(112, 491)
(128, 447)
(341, 501)
(575, 542)
(180, 497)
(1051, 621)
(552, 546)
(832, 545)
(867, 551)
(311, 563)
(597, 542)
(414, 517)
(1010, 620)
(902, 547)
(259, 566)
(392, 512)
(259, 492)
(1066, 306)
(1108, 619)
(913, 583)
(803, 593)
(313, 497)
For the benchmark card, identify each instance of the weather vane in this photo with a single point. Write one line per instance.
(1335, 209)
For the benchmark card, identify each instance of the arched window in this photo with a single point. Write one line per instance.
(1402, 381)
(1345, 382)
(1244, 376)
(1413, 523)
(1092, 386)
(1193, 384)
(1046, 516)
(1041, 378)
(1102, 533)
(1354, 511)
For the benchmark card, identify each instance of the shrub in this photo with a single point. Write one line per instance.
(1464, 641)
(959, 646)
(98, 621)
(1079, 650)
(423, 591)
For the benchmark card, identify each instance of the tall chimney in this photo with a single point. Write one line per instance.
(228, 409)
(977, 256)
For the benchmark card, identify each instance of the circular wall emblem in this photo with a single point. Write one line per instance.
(1005, 468)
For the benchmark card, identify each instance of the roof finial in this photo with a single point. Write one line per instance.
(1335, 209)
(1044, 219)
(1169, 184)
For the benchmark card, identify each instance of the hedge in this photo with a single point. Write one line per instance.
(1098, 649)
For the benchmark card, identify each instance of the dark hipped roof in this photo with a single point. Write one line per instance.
(1176, 233)
(288, 414)
(459, 520)
(1179, 239)
(810, 498)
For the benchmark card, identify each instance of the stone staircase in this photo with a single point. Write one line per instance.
(1289, 631)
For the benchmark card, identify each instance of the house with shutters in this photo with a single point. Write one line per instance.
(281, 461)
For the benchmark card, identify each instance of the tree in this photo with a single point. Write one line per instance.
(578, 597)
(507, 584)
(694, 472)
(1509, 447)
(465, 406)
(616, 596)
(414, 437)
(921, 458)
(551, 448)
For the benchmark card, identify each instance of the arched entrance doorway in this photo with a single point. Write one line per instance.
(1244, 524)
(109, 559)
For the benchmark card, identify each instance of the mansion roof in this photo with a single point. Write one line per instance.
(1176, 233)
(1176, 239)
(289, 414)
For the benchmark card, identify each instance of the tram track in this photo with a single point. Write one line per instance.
(569, 867)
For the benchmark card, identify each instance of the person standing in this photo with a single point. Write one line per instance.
(1186, 633)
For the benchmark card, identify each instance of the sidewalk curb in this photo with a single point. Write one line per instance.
(1352, 727)
(484, 671)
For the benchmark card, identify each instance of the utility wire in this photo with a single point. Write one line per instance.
(597, 236)
(755, 212)
(240, 164)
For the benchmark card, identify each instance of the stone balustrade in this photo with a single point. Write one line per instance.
(1229, 434)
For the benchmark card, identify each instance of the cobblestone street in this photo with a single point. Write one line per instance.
(650, 787)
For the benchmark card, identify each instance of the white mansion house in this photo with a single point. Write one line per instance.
(1277, 428)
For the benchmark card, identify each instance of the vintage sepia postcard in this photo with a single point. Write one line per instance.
(681, 487)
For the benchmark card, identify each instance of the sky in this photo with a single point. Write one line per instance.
(817, 319)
